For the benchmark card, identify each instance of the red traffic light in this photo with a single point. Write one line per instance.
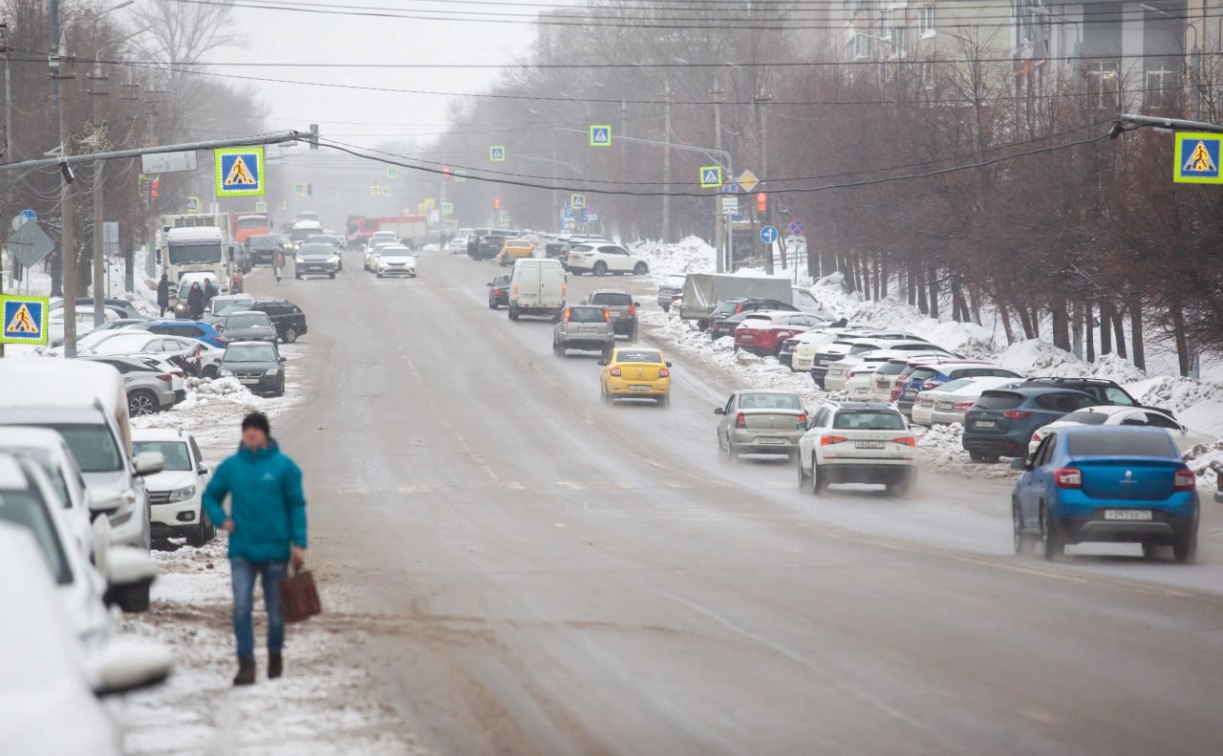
(496, 203)
(156, 188)
(762, 201)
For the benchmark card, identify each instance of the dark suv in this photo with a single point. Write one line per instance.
(289, 319)
(1002, 421)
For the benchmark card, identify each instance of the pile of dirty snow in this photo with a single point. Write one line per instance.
(692, 255)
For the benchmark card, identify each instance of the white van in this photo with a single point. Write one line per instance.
(537, 288)
(86, 402)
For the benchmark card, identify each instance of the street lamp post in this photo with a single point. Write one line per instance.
(1195, 59)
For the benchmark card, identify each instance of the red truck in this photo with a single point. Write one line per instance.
(412, 230)
(254, 224)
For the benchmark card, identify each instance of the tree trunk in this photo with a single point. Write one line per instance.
(933, 277)
(1182, 342)
(922, 305)
(1060, 325)
(883, 281)
(911, 285)
(1119, 333)
(1106, 327)
(1035, 315)
(1091, 331)
(1026, 321)
(1136, 337)
(974, 301)
(1006, 322)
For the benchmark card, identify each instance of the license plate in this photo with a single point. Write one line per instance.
(821, 362)
(1143, 515)
(588, 329)
(944, 405)
(248, 381)
(984, 424)
(868, 444)
(640, 388)
(748, 337)
(774, 441)
(927, 403)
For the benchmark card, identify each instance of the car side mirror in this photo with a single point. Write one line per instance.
(149, 463)
(123, 666)
(1020, 464)
(103, 503)
(719, 411)
(602, 363)
(670, 365)
(489, 284)
(283, 360)
(203, 471)
(636, 304)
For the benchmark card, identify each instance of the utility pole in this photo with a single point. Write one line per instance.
(762, 114)
(620, 162)
(67, 247)
(57, 262)
(721, 241)
(666, 162)
(99, 273)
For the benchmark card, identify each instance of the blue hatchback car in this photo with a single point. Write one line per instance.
(1119, 484)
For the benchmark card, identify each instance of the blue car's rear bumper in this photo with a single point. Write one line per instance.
(1081, 518)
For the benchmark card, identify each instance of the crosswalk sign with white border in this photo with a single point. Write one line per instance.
(496, 154)
(600, 136)
(193, 204)
(711, 176)
(239, 171)
(447, 208)
(577, 201)
(25, 320)
(261, 206)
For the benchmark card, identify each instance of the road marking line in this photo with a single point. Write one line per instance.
(570, 485)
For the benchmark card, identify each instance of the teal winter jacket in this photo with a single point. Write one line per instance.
(267, 504)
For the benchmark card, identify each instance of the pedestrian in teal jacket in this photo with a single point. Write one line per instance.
(266, 524)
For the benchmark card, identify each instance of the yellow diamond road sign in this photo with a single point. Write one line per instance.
(748, 181)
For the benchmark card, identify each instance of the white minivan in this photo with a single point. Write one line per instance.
(537, 288)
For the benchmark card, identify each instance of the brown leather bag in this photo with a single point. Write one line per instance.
(299, 597)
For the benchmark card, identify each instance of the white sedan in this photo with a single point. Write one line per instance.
(395, 260)
(947, 403)
(857, 442)
(1121, 414)
(604, 258)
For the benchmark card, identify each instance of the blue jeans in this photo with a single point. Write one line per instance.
(243, 574)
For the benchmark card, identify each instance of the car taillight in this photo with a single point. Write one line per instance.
(929, 386)
(664, 373)
(740, 421)
(221, 339)
(165, 378)
(802, 418)
(614, 371)
(905, 441)
(569, 313)
(964, 405)
(1184, 480)
(1069, 477)
(1016, 414)
(498, 292)
(1036, 437)
(632, 309)
(516, 291)
(607, 316)
(830, 440)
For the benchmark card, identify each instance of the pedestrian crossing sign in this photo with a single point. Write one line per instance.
(239, 172)
(1197, 159)
(577, 201)
(711, 176)
(25, 320)
(447, 208)
(261, 206)
(496, 154)
(600, 136)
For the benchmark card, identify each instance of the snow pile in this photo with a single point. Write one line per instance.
(692, 255)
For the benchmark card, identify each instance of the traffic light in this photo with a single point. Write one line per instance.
(314, 136)
(762, 201)
(496, 203)
(155, 188)
(446, 171)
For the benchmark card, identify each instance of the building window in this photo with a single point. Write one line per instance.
(1102, 82)
(1163, 86)
(862, 47)
(925, 21)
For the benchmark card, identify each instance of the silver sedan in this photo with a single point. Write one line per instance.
(760, 422)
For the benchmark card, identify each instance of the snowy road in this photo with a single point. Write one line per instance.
(543, 574)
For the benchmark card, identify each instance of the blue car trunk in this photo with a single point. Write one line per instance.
(1133, 478)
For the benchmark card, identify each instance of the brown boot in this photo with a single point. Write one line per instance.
(246, 672)
(275, 666)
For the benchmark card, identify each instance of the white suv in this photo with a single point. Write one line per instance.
(857, 442)
(176, 494)
(603, 258)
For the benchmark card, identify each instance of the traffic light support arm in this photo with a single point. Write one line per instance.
(212, 144)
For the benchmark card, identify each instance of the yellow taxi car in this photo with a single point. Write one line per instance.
(515, 249)
(635, 373)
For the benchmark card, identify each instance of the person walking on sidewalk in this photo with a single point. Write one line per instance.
(278, 264)
(163, 294)
(266, 524)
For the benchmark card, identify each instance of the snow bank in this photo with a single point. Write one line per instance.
(692, 255)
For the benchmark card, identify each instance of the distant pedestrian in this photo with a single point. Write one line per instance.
(473, 246)
(278, 264)
(210, 291)
(163, 294)
(266, 523)
(235, 286)
(195, 301)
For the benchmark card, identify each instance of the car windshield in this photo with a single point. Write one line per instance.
(396, 252)
(725, 308)
(26, 511)
(612, 299)
(252, 221)
(220, 303)
(770, 401)
(316, 250)
(250, 353)
(232, 308)
(93, 446)
(868, 420)
(955, 385)
(184, 289)
(891, 368)
(1086, 417)
(587, 315)
(178, 458)
(262, 241)
(1120, 442)
(640, 355)
(252, 319)
(54, 473)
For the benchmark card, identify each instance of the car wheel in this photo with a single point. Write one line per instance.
(1054, 543)
(607, 399)
(1025, 543)
(819, 480)
(131, 599)
(600, 268)
(732, 453)
(289, 336)
(209, 372)
(332, 276)
(492, 305)
(141, 403)
(640, 269)
(298, 276)
(803, 477)
(513, 312)
(724, 450)
(1185, 547)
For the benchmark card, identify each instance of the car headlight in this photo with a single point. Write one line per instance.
(335, 258)
(272, 371)
(182, 494)
(226, 373)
